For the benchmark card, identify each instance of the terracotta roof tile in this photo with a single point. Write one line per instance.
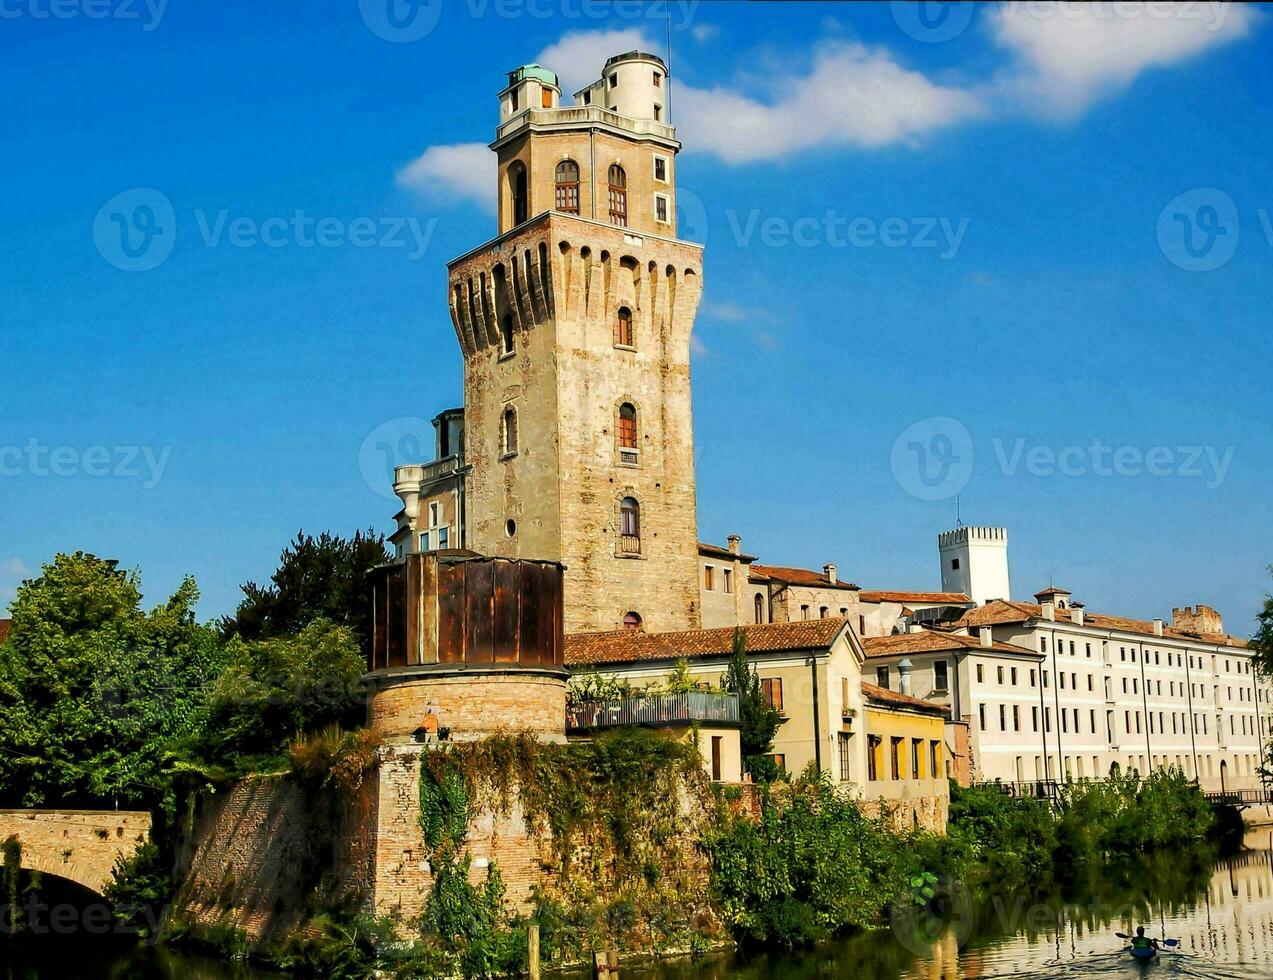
(882, 695)
(933, 641)
(628, 646)
(1001, 611)
(951, 598)
(797, 576)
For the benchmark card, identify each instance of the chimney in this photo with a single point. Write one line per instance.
(986, 635)
(904, 677)
(1049, 609)
(735, 544)
(1157, 627)
(1077, 615)
(829, 572)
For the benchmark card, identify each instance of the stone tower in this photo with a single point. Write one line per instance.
(575, 328)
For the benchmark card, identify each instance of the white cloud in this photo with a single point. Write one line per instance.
(1069, 55)
(444, 173)
(580, 55)
(704, 32)
(853, 96)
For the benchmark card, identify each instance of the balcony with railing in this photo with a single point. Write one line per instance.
(580, 115)
(654, 710)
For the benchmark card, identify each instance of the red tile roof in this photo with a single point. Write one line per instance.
(933, 641)
(1002, 611)
(797, 576)
(629, 646)
(882, 695)
(947, 598)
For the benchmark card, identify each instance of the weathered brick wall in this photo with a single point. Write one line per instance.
(80, 845)
(928, 812)
(471, 703)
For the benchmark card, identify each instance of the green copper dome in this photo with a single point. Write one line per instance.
(538, 72)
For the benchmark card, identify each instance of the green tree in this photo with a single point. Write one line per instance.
(758, 720)
(274, 689)
(93, 689)
(317, 577)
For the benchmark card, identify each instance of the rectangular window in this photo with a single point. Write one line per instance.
(717, 740)
(1032, 677)
(424, 541)
(846, 755)
(727, 582)
(917, 745)
(881, 676)
(981, 716)
(1016, 718)
(1034, 719)
(999, 674)
(941, 677)
(895, 752)
(771, 691)
(872, 757)
(1003, 726)
(1014, 676)
(444, 535)
(546, 100)
(658, 112)
(709, 578)
(934, 759)
(658, 80)
(660, 208)
(660, 169)
(980, 674)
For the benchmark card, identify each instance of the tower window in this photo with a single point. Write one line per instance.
(658, 80)
(546, 99)
(629, 526)
(658, 112)
(618, 195)
(517, 180)
(760, 609)
(512, 101)
(623, 332)
(660, 169)
(508, 432)
(954, 564)
(568, 187)
(506, 334)
(627, 433)
(614, 80)
(632, 621)
(660, 207)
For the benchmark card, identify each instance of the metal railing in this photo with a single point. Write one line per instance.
(1241, 797)
(575, 115)
(1039, 789)
(654, 709)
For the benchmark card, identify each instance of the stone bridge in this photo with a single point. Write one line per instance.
(79, 845)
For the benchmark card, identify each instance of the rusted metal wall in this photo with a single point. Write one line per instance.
(456, 608)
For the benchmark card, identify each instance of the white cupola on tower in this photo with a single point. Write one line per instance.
(632, 84)
(529, 87)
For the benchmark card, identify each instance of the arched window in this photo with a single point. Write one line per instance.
(623, 328)
(632, 621)
(823, 612)
(517, 180)
(508, 432)
(627, 426)
(629, 526)
(506, 334)
(618, 196)
(760, 609)
(568, 187)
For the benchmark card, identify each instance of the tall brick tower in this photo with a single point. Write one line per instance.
(575, 327)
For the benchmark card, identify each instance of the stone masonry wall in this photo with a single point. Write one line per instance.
(80, 845)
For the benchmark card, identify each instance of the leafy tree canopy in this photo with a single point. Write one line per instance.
(322, 577)
(1262, 641)
(92, 687)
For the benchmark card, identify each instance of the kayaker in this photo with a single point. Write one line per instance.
(1141, 941)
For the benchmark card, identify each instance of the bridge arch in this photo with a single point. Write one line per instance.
(82, 846)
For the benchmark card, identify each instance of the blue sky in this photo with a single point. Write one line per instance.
(1018, 253)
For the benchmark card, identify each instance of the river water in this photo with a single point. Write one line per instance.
(1220, 908)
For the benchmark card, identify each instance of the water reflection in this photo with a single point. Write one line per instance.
(1220, 908)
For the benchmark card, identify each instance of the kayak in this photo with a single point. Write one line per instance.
(1145, 953)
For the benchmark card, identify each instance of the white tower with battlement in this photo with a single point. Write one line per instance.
(974, 560)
